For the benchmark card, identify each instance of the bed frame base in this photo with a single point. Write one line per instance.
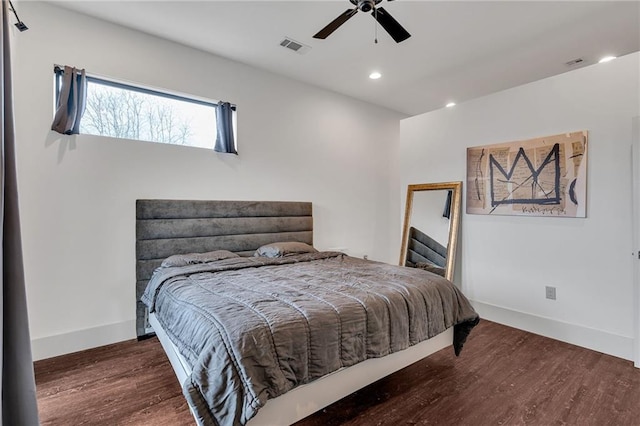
(306, 399)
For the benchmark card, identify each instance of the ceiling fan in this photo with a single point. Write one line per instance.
(395, 30)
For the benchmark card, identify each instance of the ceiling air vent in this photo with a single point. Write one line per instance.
(574, 62)
(296, 46)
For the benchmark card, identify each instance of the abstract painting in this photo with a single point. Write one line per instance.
(538, 177)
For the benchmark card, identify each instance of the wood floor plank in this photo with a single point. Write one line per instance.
(503, 377)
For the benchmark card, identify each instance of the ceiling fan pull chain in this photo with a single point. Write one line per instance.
(375, 40)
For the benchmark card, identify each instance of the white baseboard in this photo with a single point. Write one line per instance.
(79, 340)
(597, 340)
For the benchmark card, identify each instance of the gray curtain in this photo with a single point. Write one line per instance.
(71, 102)
(19, 405)
(225, 140)
(447, 206)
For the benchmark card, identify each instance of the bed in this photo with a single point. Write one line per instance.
(257, 369)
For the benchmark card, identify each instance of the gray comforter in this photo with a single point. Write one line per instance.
(253, 328)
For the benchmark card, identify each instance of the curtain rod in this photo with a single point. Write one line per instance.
(166, 93)
(19, 25)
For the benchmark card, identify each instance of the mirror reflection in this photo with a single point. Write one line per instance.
(430, 228)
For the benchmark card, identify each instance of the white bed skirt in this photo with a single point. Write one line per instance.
(305, 400)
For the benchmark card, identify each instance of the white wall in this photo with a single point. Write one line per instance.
(77, 194)
(507, 261)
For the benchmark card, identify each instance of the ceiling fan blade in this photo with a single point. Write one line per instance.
(333, 25)
(393, 27)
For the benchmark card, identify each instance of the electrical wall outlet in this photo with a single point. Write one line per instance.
(550, 292)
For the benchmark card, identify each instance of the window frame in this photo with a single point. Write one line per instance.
(92, 78)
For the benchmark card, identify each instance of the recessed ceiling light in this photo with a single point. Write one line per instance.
(606, 59)
(375, 75)
(450, 104)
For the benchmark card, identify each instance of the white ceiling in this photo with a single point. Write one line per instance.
(459, 50)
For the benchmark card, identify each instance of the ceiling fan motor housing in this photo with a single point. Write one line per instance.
(365, 5)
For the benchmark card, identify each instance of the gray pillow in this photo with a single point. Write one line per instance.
(284, 249)
(193, 258)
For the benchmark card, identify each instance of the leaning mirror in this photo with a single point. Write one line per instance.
(430, 231)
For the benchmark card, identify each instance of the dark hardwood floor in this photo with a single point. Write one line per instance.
(504, 376)
(128, 383)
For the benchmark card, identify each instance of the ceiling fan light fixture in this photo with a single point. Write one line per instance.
(375, 75)
(366, 5)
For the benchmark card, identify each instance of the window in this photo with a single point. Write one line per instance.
(124, 111)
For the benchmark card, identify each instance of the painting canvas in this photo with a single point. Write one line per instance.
(538, 177)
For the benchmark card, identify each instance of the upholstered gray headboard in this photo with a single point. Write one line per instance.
(167, 227)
